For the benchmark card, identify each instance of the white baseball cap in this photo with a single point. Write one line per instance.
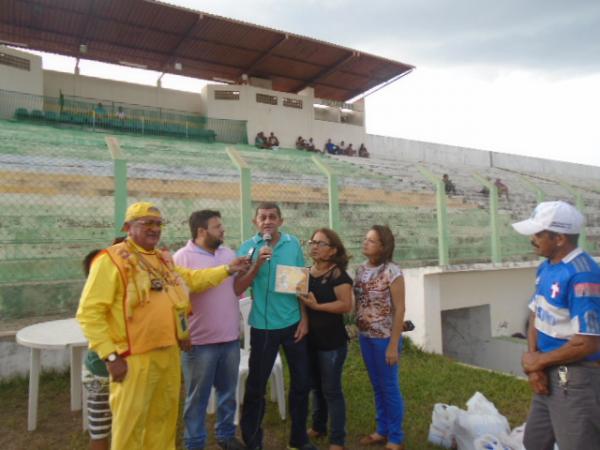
(558, 216)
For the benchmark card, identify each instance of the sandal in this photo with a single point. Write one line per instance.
(373, 439)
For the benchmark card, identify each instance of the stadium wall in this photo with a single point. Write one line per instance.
(121, 92)
(287, 122)
(506, 288)
(26, 80)
(20, 79)
(449, 155)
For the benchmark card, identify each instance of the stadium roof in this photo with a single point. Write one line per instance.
(171, 39)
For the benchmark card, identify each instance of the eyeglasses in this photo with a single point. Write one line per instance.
(320, 244)
(149, 223)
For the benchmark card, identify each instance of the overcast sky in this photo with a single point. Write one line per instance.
(506, 75)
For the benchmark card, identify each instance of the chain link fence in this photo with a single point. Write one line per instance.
(57, 203)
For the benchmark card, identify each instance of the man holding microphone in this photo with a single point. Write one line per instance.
(276, 320)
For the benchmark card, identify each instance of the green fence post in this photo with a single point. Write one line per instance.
(442, 215)
(539, 193)
(334, 194)
(494, 223)
(579, 204)
(120, 175)
(245, 193)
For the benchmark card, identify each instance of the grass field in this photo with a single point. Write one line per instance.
(425, 379)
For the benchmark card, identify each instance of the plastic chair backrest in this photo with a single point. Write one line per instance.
(245, 308)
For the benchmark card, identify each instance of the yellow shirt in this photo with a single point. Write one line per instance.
(102, 314)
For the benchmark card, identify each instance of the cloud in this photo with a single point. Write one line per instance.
(547, 35)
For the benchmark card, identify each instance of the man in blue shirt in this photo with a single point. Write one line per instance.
(276, 320)
(563, 358)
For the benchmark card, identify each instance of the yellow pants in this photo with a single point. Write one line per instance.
(145, 405)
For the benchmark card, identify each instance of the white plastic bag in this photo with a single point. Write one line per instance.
(501, 442)
(488, 442)
(481, 418)
(441, 430)
(517, 434)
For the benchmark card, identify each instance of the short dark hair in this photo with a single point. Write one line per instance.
(89, 258)
(341, 257)
(199, 219)
(268, 205)
(87, 261)
(388, 242)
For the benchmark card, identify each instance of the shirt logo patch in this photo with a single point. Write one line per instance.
(587, 290)
(555, 289)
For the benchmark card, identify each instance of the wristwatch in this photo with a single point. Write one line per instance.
(112, 358)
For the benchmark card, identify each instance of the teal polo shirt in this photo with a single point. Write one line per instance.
(272, 310)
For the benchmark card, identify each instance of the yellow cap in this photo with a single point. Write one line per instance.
(141, 209)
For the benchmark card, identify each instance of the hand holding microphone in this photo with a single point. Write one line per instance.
(267, 250)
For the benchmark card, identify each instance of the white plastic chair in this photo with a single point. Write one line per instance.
(276, 379)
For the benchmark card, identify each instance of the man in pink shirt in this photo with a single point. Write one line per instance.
(215, 334)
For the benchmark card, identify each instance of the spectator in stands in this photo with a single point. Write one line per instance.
(61, 101)
(349, 151)
(260, 141)
(448, 185)
(328, 299)
(485, 191)
(310, 145)
(330, 147)
(100, 109)
(214, 358)
(502, 188)
(120, 113)
(341, 148)
(273, 141)
(300, 143)
(380, 307)
(362, 151)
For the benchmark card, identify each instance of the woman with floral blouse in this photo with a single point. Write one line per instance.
(379, 294)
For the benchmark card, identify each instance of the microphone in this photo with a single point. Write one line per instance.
(267, 238)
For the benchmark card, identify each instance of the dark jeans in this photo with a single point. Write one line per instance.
(264, 348)
(327, 394)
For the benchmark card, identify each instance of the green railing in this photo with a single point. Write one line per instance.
(63, 192)
(121, 117)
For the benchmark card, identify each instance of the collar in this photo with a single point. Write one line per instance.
(571, 256)
(284, 237)
(140, 249)
(197, 249)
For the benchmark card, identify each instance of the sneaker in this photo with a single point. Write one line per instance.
(307, 446)
(231, 444)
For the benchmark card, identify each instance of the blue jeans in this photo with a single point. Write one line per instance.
(389, 405)
(264, 348)
(203, 367)
(327, 395)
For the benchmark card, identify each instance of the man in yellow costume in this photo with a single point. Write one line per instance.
(133, 311)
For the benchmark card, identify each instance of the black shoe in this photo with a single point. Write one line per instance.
(231, 444)
(308, 446)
